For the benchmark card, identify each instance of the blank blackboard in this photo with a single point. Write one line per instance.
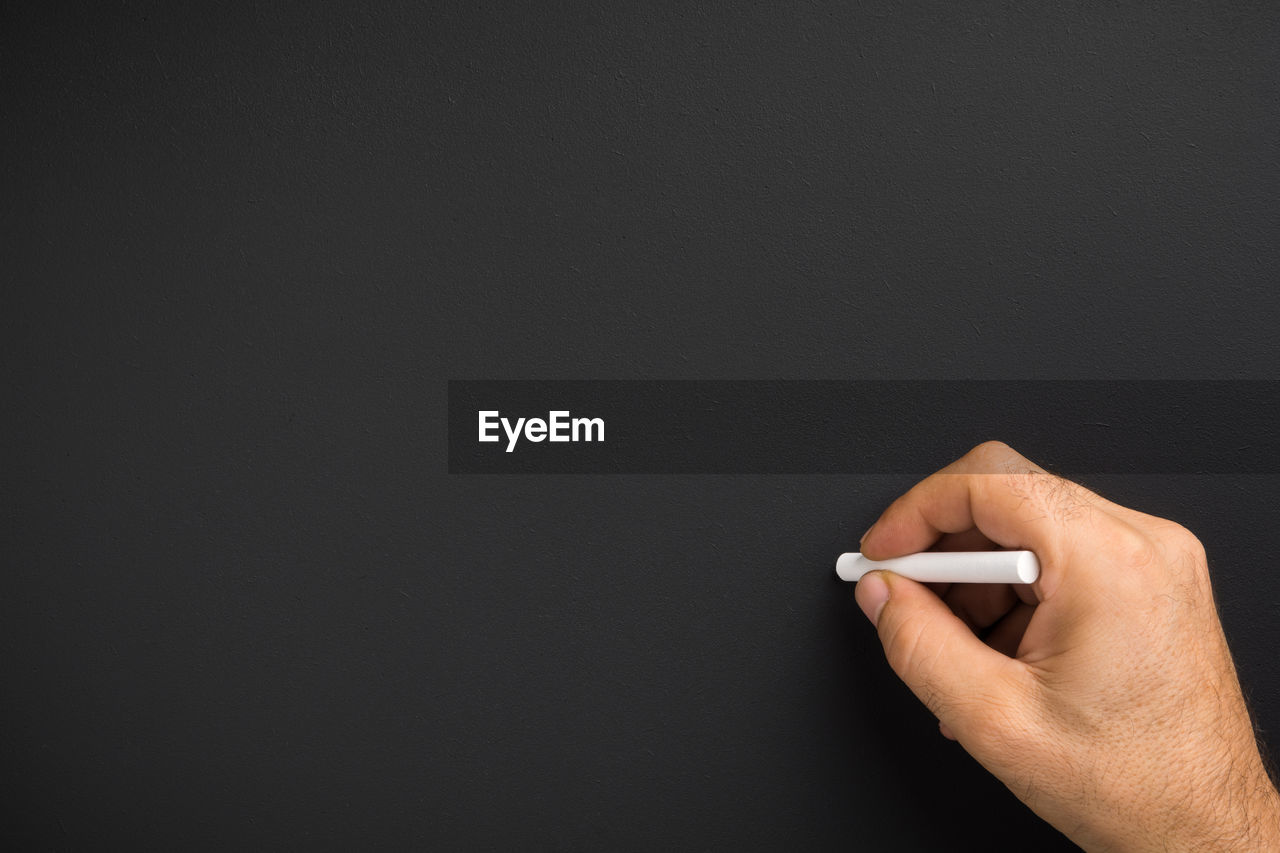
(244, 602)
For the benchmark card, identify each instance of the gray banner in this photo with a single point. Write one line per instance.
(776, 427)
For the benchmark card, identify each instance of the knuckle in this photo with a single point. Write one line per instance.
(1002, 727)
(1135, 567)
(1188, 544)
(993, 446)
(1050, 495)
(994, 456)
(1188, 556)
(1132, 549)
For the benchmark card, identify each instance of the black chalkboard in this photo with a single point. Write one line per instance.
(245, 604)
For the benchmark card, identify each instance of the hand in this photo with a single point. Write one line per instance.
(1103, 695)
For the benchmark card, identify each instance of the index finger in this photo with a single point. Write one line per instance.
(1008, 498)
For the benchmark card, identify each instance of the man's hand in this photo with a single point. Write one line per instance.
(1103, 695)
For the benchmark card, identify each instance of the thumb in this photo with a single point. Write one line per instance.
(960, 678)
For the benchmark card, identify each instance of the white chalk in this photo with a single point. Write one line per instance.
(944, 566)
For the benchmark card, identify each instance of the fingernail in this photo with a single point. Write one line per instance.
(863, 537)
(872, 594)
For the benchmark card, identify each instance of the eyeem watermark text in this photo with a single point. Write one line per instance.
(558, 426)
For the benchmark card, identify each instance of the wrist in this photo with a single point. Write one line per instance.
(1265, 819)
(1239, 815)
(1246, 818)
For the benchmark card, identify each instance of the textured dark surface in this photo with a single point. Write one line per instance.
(243, 603)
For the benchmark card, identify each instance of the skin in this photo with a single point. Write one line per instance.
(1103, 695)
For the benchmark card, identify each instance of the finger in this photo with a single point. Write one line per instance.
(1006, 635)
(969, 540)
(972, 539)
(939, 588)
(1011, 500)
(980, 605)
(948, 668)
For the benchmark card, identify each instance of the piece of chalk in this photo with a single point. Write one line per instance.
(944, 566)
